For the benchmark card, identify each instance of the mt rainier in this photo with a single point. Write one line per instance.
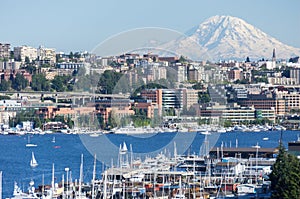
(226, 37)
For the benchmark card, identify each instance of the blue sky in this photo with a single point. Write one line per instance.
(81, 25)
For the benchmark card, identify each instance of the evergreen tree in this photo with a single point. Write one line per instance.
(247, 60)
(5, 85)
(108, 81)
(19, 82)
(285, 176)
(40, 83)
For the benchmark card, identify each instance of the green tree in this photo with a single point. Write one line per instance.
(27, 60)
(71, 55)
(261, 79)
(31, 69)
(40, 83)
(4, 97)
(113, 119)
(204, 98)
(5, 85)
(19, 82)
(28, 115)
(247, 59)
(183, 59)
(61, 83)
(198, 86)
(108, 81)
(285, 176)
(70, 122)
(286, 72)
(11, 54)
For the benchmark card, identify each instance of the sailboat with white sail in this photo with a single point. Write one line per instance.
(33, 162)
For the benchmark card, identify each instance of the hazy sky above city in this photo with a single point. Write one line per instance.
(81, 25)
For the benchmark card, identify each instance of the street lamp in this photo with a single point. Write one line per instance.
(67, 186)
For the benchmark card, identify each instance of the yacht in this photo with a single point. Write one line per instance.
(19, 194)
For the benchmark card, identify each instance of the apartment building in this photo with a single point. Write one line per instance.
(295, 73)
(21, 52)
(264, 102)
(46, 55)
(291, 99)
(4, 50)
(235, 74)
(190, 97)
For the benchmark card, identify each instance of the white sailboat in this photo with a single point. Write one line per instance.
(33, 162)
(30, 144)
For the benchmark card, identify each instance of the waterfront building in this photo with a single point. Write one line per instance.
(291, 99)
(263, 102)
(236, 114)
(155, 95)
(145, 106)
(294, 147)
(113, 107)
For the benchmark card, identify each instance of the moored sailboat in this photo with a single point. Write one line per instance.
(30, 144)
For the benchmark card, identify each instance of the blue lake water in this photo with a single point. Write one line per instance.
(67, 150)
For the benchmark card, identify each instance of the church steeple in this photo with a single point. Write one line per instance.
(274, 55)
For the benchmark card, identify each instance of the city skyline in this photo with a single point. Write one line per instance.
(80, 26)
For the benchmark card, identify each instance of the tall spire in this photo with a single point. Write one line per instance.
(274, 55)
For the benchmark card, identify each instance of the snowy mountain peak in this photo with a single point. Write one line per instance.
(227, 37)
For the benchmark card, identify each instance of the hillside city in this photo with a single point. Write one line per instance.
(49, 90)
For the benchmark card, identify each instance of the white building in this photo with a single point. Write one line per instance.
(270, 65)
(181, 74)
(46, 55)
(21, 52)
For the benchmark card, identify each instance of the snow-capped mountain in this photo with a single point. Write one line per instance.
(226, 37)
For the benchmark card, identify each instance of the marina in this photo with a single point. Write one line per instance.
(145, 172)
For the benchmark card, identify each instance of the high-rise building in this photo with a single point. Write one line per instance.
(180, 73)
(4, 50)
(46, 55)
(190, 97)
(235, 74)
(295, 73)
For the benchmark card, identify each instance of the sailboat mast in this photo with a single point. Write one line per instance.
(80, 175)
(43, 184)
(52, 181)
(94, 176)
(105, 185)
(0, 184)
